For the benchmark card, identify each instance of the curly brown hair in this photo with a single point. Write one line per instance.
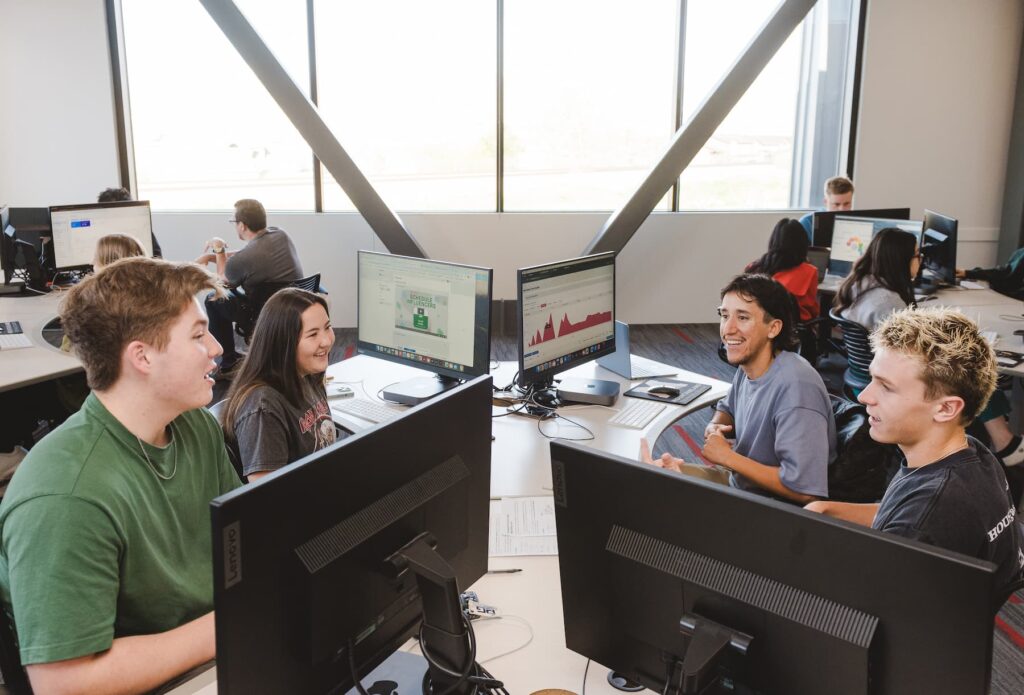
(131, 299)
(955, 359)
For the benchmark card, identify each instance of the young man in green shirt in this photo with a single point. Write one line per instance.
(105, 548)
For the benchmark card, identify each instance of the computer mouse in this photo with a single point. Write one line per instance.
(664, 391)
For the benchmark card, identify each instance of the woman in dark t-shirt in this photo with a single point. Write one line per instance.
(276, 409)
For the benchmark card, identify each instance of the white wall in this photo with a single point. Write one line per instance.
(936, 109)
(948, 154)
(57, 133)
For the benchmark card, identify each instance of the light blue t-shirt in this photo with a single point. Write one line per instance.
(808, 221)
(784, 418)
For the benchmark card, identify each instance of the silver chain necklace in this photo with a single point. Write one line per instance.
(152, 467)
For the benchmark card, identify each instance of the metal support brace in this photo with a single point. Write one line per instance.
(304, 116)
(621, 226)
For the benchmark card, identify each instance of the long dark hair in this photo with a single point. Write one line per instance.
(787, 248)
(272, 354)
(887, 260)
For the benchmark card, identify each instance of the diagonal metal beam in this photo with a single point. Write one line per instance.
(623, 223)
(306, 118)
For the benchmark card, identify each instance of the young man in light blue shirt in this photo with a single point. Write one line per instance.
(778, 408)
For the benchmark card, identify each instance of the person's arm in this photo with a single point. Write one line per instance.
(717, 449)
(135, 664)
(863, 514)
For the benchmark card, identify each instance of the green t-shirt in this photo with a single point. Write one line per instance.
(95, 545)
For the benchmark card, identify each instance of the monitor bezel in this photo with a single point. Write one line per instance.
(57, 267)
(368, 348)
(822, 221)
(540, 377)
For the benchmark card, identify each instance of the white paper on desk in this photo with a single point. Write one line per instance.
(522, 526)
(968, 285)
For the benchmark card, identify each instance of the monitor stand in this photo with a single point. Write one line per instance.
(415, 391)
(13, 288)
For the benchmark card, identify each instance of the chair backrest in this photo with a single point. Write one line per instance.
(863, 467)
(858, 352)
(232, 448)
(15, 678)
(257, 296)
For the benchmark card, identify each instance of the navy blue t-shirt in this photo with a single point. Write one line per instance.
(960, 503)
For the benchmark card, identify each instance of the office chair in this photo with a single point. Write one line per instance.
(857, 349)
(232, 448)
(15, 678)
(863, 467)
(253, 301)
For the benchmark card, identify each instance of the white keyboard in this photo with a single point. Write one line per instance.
(637, 413)
(366, 409)
(639, 370)
(17, 340)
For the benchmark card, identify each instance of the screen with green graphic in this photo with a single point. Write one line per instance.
(432, 314)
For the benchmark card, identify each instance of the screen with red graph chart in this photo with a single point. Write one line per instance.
(568, 312)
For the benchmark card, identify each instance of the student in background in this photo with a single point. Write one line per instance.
(117, 195)
(777, 409)
(931, 375)
(1005, 279)
(277, 409)
(113, 247)
(882, 283)
(786, 262)
(838, 197)
(268, 256)
(105, 547)
(882, 280)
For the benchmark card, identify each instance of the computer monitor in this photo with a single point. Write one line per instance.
(822, 222)
(427, 314)
(7, 249)
(938, 248)
(682, 576)
(566, 316)
(851, 236)
(77, 228)
(341, 555)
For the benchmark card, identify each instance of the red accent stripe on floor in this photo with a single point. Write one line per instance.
(1014, 636)
(679, 331)
(349, 351)
(690, 443)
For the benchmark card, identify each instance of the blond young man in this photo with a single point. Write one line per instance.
(105, 548)
(838, 197)
(931, 375)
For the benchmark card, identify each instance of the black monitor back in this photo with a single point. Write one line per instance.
(832, 607)
(823, 222)
(938, 246)
(299, 555)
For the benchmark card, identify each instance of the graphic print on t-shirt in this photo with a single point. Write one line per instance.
(318, 421)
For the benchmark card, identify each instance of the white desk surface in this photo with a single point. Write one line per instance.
(24, 366)
(992, 312)
(520, 460)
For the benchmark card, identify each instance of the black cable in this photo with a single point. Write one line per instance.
(583, 690)
(566, 439)
(461, 677)
(352, 669)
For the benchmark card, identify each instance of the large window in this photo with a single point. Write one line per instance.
(477, 105)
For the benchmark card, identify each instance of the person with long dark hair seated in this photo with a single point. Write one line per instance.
(786, 262)
(882, 282)
(276, 410)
